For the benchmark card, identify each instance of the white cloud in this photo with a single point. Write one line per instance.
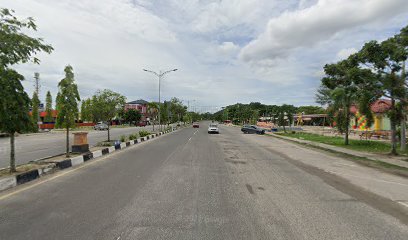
(228, 48)
(320, 22)
(346, 52)
(108, 42)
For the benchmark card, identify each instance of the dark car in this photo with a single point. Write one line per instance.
(141, 124)
(252, 129)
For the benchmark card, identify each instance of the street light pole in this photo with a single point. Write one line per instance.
(160, 75)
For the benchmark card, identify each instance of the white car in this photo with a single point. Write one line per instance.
(213, 128)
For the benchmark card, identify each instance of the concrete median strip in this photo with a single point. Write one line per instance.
(21, 178)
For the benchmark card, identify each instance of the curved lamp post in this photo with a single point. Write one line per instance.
(160, 75)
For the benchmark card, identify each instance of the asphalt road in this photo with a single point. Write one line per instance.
(191, 185)
(35, 146)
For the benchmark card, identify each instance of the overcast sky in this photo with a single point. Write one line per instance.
(227, 51)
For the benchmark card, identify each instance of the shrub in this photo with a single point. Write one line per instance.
(123, 138)
(144, 133)
(133, 136)
(104, 144)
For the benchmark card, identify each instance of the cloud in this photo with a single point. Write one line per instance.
(109, 42)
(320, 22)
(227, 48)
(346, 52)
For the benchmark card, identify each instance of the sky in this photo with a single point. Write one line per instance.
(226, 51)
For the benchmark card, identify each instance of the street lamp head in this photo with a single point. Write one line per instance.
(174, 69)
(145, 70)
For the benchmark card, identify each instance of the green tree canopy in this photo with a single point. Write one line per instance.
(35, 113)
(67, 103)
(48, 107)
(132, 116)
(106, 105)
(16, 46)
(14, 108)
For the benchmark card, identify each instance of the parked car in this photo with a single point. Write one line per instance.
(252, 129)
(196, 125)
(101, 126)
(213, 128)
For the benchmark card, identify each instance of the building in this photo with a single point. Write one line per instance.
(141, 106)
(381, 121)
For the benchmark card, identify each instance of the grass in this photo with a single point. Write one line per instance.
(358, 145)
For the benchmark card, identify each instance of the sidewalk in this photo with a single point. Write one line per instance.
(372, 156)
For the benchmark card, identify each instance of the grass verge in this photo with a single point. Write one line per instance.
(370, 146)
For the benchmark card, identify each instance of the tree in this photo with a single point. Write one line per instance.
(284, 115)
(13, 31)
(345, 84)
(106, 105)
(152, 109)
(16, 47)
(14, 108)
(132, 116)
(48, 108)
(86, 110)
(67, 103)
(35, 102)
(386, 59)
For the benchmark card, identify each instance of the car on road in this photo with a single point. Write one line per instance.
(252, 129)
(196, 125)
(141, 124)
(213, 128)
(101, 126)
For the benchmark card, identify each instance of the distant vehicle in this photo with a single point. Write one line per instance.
(252, 129)
(213, 128)
(141, 124)
(101, 126)
(196, 125)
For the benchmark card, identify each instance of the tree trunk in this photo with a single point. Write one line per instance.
(403, 133)
(403, 120)
(393, 129)
(12, 154)
(109, 132)
(67, 143)
(346, 134)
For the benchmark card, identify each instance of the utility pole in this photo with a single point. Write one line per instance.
(160, 75)
(37, 87)
(403, 141)
(37, 83)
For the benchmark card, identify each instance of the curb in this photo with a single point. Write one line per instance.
(13, 181)
(331, 149)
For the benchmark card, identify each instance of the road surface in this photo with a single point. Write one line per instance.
(35, 146)
(191, 185)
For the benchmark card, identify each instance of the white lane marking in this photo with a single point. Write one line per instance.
(189, 139)
(404, 204)
(343, 164)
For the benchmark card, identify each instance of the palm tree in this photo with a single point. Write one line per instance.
(152, 109)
